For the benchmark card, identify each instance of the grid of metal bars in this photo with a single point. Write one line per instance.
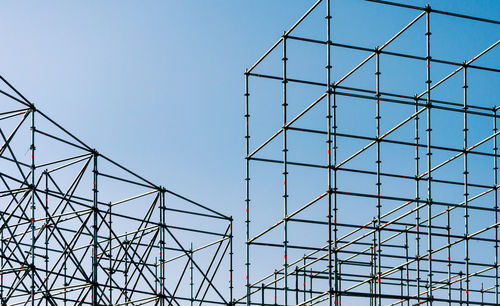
(410, 252)
(79, 228)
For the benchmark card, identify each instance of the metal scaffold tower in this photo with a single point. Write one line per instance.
(375, 184)
(77, 228)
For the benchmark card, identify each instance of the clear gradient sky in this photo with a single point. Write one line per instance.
(158, 85)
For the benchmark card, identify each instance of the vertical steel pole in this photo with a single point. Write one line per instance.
(275, 288)
(285, 177)
(191, 284)
(162, 246)
(417, 202)
(495, 181)
(370, 282)
(482, 294)
(407, 266)
(296, 285)
(329, 144)
(156, 275)
(374, 261)
(46, 228)
(125, 272)
(33, 189)
(333, 101)
(65, 270)
(466, 189)
(262, 294)
(231, 261)
(111, 257)
(334, 191)
(448, 234)
(379, 204)
(247, 187)
(304, 276)
(94, 238)
(402, 286)
(429, 164)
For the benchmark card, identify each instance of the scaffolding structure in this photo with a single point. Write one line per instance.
(79, 228)
(366, 238)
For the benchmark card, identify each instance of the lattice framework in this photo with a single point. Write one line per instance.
(416, 248)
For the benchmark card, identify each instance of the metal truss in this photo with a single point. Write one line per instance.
(79, 228)
(366, 238)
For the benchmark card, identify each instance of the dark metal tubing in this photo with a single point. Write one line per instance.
(46, 269)
(429, 155)
(368, 97)
(381, 274)
(398, 54)
(436, 11)
(331, 146)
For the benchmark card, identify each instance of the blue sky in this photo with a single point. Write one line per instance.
(158, 85)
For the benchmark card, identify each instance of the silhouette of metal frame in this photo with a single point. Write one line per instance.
(379, 261)
(79, 228)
